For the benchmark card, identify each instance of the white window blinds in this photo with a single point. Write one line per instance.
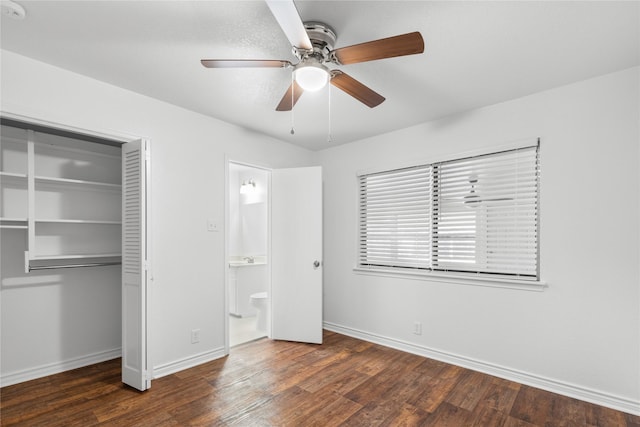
(395, 218)
(485, 214)
(473, 215)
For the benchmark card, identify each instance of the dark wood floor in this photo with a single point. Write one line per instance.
(344, 382)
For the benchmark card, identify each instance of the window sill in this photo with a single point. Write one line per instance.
(460, 279)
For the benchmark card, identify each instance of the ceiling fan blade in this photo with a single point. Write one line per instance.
(288, 101)
(405, 44)
(289, 20)
(244, 63)
(356, 89)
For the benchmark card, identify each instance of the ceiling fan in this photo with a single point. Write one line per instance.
(473, 199)
(313, 45)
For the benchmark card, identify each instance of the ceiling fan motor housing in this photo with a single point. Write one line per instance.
(323, 39)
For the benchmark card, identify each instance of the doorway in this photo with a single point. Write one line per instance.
(248, 267)
(273, 241)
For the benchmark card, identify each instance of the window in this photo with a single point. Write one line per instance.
(395, 218)
(473, 215)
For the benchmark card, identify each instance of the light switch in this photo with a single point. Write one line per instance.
(212, 225)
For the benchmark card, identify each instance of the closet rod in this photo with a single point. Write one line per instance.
(95, 264)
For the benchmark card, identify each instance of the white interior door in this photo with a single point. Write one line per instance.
(296, 254)
(134, 265)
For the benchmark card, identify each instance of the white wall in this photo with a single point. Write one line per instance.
(248, 227)
(54, 320)
(188, 179)
(580, 336)
(254, 214)
(248, 215)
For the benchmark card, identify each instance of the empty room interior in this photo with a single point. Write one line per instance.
(279, 212)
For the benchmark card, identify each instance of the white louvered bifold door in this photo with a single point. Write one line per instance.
(485, 214)
(394, 219)
(134, 274)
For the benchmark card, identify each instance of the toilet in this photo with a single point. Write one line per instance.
(259, 302)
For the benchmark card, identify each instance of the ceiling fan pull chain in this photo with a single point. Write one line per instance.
(293, 89)
(329, 130)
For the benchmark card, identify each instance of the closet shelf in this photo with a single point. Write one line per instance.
(12, 175)
(22, 222)
(14, 223)
(14, 140)
(64, 194)
(76, 221)
(68, 181)
(73, 256)
(107, 151)
(62, 181)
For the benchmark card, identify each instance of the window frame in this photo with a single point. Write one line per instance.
(459, 277)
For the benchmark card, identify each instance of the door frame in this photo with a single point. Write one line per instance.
(268, 170)
(122, 138)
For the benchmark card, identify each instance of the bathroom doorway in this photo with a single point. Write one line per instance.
(248, 266)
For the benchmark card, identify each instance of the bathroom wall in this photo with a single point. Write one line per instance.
(248, 220)
(248, 215)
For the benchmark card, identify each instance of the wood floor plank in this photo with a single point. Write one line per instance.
(156, 400)
(373, 360)
(306, 408)
(385, 384)
(569, 412)
(344, 382)
(336, 410)
(77, 415)
(335, 340)
(283, 406)
(601, 417)
(515, 422)
(532, 405)
(486, 416)
(372, 414)
(437, 389)
(406, 416)
(500, 395)
(295, 374)
(469, 390)
(339, 378)
(448, 415)
(27, 411)
(631, 420)
(431, 367)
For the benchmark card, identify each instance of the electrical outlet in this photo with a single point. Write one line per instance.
(195, 336)
(417, 328)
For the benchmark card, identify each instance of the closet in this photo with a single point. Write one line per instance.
(65, 193)
(73, 226)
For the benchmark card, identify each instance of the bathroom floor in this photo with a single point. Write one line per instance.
(243, 329)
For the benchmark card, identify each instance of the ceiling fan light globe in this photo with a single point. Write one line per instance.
(311, 77)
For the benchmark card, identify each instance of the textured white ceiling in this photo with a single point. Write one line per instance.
(476, 53)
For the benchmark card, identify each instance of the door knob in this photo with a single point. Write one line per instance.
(316, 264)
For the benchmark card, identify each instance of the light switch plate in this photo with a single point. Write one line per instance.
(212, 225)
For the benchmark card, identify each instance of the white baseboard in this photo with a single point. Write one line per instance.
(555, 386)
(57, 367)
(188, 362)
